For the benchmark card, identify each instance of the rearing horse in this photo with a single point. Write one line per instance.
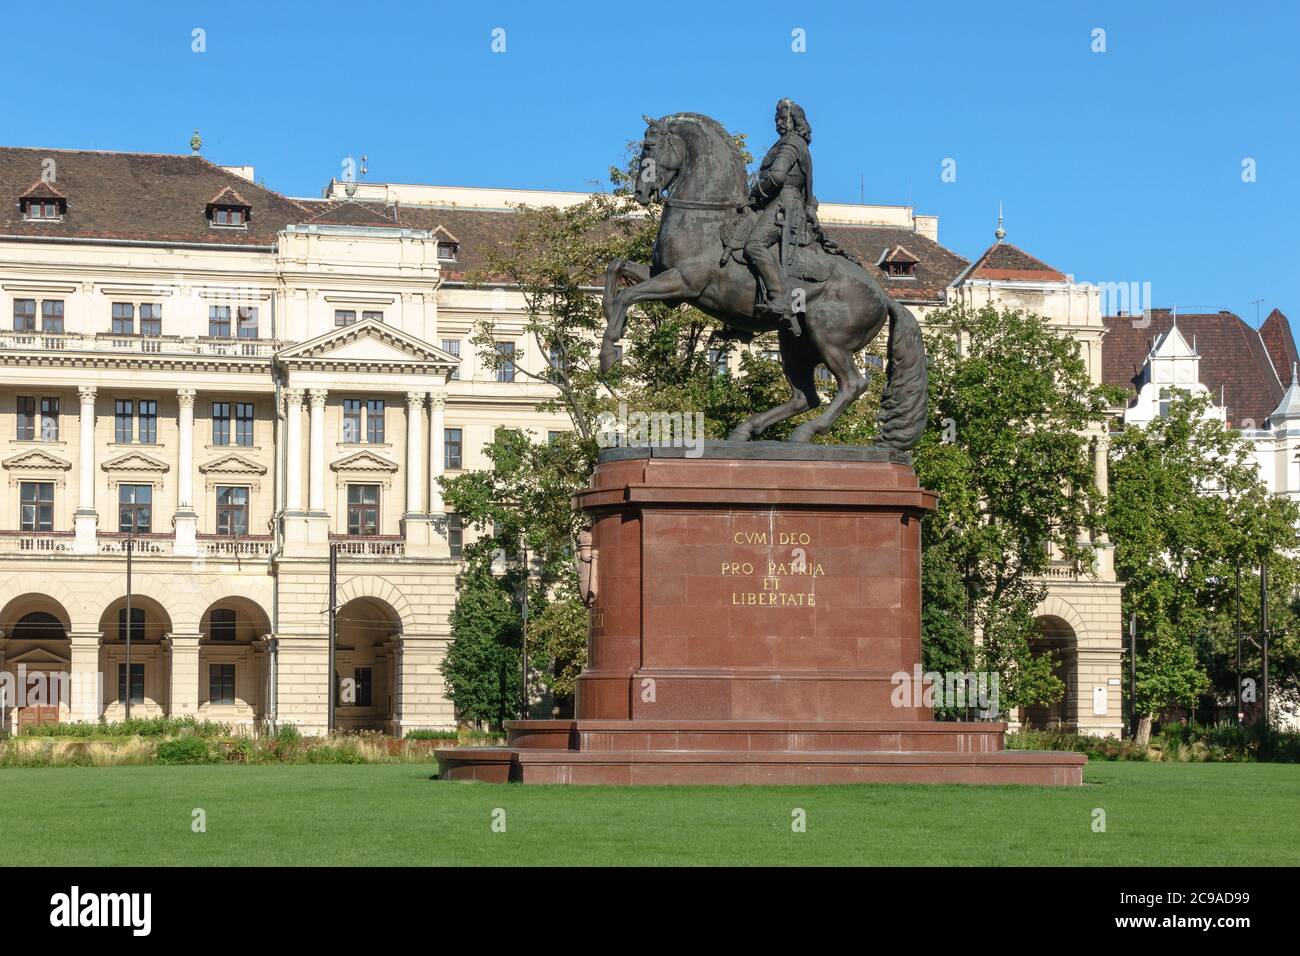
(692, 159)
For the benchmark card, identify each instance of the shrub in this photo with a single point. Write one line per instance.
(185, 750)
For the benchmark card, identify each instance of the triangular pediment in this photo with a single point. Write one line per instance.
(36, 460)
(36, 656)
(364, 461)
(232, 465)
(1173, 345)
(366, 343)
(136, 461)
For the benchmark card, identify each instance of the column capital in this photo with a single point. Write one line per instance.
(185, 397)
(87, 392)
(437, 399)
(317, 397)
(293, 396)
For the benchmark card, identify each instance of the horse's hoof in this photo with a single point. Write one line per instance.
(740, 434)
(801, 435)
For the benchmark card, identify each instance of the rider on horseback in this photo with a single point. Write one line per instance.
(787, 212)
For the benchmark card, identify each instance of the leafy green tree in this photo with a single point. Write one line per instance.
(482, 666)
(1187, 508)
(1011, 406)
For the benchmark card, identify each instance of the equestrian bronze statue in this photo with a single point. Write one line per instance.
(758, 261)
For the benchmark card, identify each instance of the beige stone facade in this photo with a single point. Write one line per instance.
(324, 418)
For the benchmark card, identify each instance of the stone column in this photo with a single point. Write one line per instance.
(184, 697)
(86, 677)
(86, 520)
(437, 452)
(316, 482)
(414, 457)
(186, 517)
(293, 447)
(1105, 563)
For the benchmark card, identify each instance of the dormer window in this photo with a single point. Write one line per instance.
(228, 210)
(447, 251)
(898, 263)
(42, 209)
(227, 216)
(42, 203)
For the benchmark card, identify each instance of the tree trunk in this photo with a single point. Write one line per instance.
(1144, 731)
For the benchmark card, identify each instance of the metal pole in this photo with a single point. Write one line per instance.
(334, 581)
(1241, 710)
(128, 620)
(524, 656)
(1263, 636)
(1132, 675)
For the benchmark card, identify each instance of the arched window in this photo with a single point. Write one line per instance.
(38, 626)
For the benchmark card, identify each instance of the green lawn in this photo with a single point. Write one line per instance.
(1156, 813)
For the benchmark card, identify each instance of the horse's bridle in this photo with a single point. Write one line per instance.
(679, 158)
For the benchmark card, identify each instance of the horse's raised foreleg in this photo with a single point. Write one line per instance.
(852, 383)
(798, 360)
(668, 284)
(616, 273)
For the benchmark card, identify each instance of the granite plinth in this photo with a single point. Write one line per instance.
(752, 616)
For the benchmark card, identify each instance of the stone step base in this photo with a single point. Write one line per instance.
(755, 736)
(677, 767)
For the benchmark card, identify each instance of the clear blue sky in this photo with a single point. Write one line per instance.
(1117, 166)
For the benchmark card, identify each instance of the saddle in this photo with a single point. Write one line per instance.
(809, 263)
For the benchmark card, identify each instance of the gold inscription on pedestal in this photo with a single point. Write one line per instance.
(771, 570)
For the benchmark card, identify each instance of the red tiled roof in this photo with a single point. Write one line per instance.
(1276, 333)
(1006, 262)
(139, 196)
(41, 189)
(1234, 359)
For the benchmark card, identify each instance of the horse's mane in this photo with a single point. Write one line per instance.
(719, 132)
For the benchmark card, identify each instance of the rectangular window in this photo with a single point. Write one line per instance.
(219, 321)
(344, 317)
(375, 421)
(52, 315)
(506, 371)
(24, 315)
(553, 437)
(447, 251)
(377, 316)
(247, 322)
(223, 624)
(221, 683)
(232, 510)
(150, 318)
(123, 415)
(26, 418)
(137, 624)
(452, 347)
(362, 678)
(351, 420)
(137, 682)
(49, 419)
(451, 448)
(123, 318)
(135, 508)
(37, 499)
(455, 535)
(148, 414)
(718, 359)
(244, 424)
(221, 423)
(363, 509)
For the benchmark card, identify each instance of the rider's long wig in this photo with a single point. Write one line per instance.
(798, 119)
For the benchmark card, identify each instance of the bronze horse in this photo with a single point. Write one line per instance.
(692, 159)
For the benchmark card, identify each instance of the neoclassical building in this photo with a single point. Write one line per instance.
(233, 380)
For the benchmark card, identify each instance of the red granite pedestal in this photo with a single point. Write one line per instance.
(752, 608)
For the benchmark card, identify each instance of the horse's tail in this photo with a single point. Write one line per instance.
(903, 406)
